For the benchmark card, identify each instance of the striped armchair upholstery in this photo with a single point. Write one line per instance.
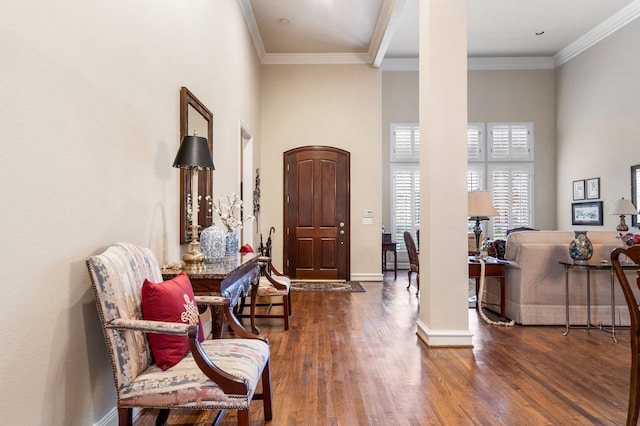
(217, 374)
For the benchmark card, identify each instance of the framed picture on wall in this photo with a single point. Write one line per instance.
(578, 190)
(587, 213)
(593, 188)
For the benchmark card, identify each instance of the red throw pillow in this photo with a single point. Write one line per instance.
(170, 301)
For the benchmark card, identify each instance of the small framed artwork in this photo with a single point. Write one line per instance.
(589, 213)
(593, 188)
(578, 190)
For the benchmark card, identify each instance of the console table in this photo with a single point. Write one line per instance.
(588, 266)
(230, 278)
(493, 268)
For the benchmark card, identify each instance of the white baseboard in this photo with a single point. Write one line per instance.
(444, 338)
(366, 277)
(110, 419)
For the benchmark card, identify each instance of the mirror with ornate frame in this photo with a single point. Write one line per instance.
(195, 117)
(635, 191)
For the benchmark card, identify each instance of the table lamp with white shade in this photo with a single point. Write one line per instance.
(623, 207)
(480, 208)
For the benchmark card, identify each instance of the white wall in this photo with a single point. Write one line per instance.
(90, 127)
(333, 105)
(598, 122)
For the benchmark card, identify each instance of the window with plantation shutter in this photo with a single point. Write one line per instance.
(510, 141)
(475, 142)
(511, 190)
(405, 198)
(405, 142)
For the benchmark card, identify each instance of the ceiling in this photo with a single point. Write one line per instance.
(377, 31)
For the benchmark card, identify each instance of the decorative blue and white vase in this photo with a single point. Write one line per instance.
(232, 243)
(580, 248)
(212, 243)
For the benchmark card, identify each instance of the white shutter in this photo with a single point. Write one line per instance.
(405, 142)
(510, 187)
(405, 199)
(475, 174)
(475, 142)
(510, 141)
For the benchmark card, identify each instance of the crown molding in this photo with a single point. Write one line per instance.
(514, 63)
(600, 32)
(252, 25)
(316, 58)
(474, 64)
(399, 64)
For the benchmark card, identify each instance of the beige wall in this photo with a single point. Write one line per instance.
(90, 127)
(493, 96)
(514, 96)
(333, 105)
(599, 122)
(399, 105)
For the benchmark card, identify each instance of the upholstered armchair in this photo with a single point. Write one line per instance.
(414, 261)
(220, 374)
(272, 284)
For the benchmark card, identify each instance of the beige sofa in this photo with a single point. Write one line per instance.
(535, 280)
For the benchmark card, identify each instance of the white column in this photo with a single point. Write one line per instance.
(444, 307)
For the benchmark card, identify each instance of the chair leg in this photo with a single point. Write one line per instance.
(125, 417)
(163, 415)
(417, 284)
(409, 279)
(244, 418)
(289, 298)
(266, 391)
(286, 309)
(634, 389)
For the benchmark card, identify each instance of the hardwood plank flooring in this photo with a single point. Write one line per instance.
(355, 359)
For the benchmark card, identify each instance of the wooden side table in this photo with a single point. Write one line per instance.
(493, 268)
(392, 247)
(230, 278)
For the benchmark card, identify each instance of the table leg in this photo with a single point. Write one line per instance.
(395, 264)
(613, 307)
(588, 299)
(502, 301)
(566, 297)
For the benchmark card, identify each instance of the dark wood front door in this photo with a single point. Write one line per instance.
(316, 213)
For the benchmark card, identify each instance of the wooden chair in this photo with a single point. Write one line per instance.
(220, 374)
(633, 253)
(414, 262)
(272, 283)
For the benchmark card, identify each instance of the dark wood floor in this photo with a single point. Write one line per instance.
(355, 359)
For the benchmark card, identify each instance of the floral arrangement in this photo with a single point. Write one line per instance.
(630, 239)
(229, 211)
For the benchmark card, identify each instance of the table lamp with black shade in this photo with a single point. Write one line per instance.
(194, 154)
(480, 208)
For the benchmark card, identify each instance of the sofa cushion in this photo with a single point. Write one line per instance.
(170, 301)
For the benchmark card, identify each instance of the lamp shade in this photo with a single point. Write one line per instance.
(480, 204)
(623, 206)
(194, 153)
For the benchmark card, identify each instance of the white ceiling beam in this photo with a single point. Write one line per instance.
(385, 27)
